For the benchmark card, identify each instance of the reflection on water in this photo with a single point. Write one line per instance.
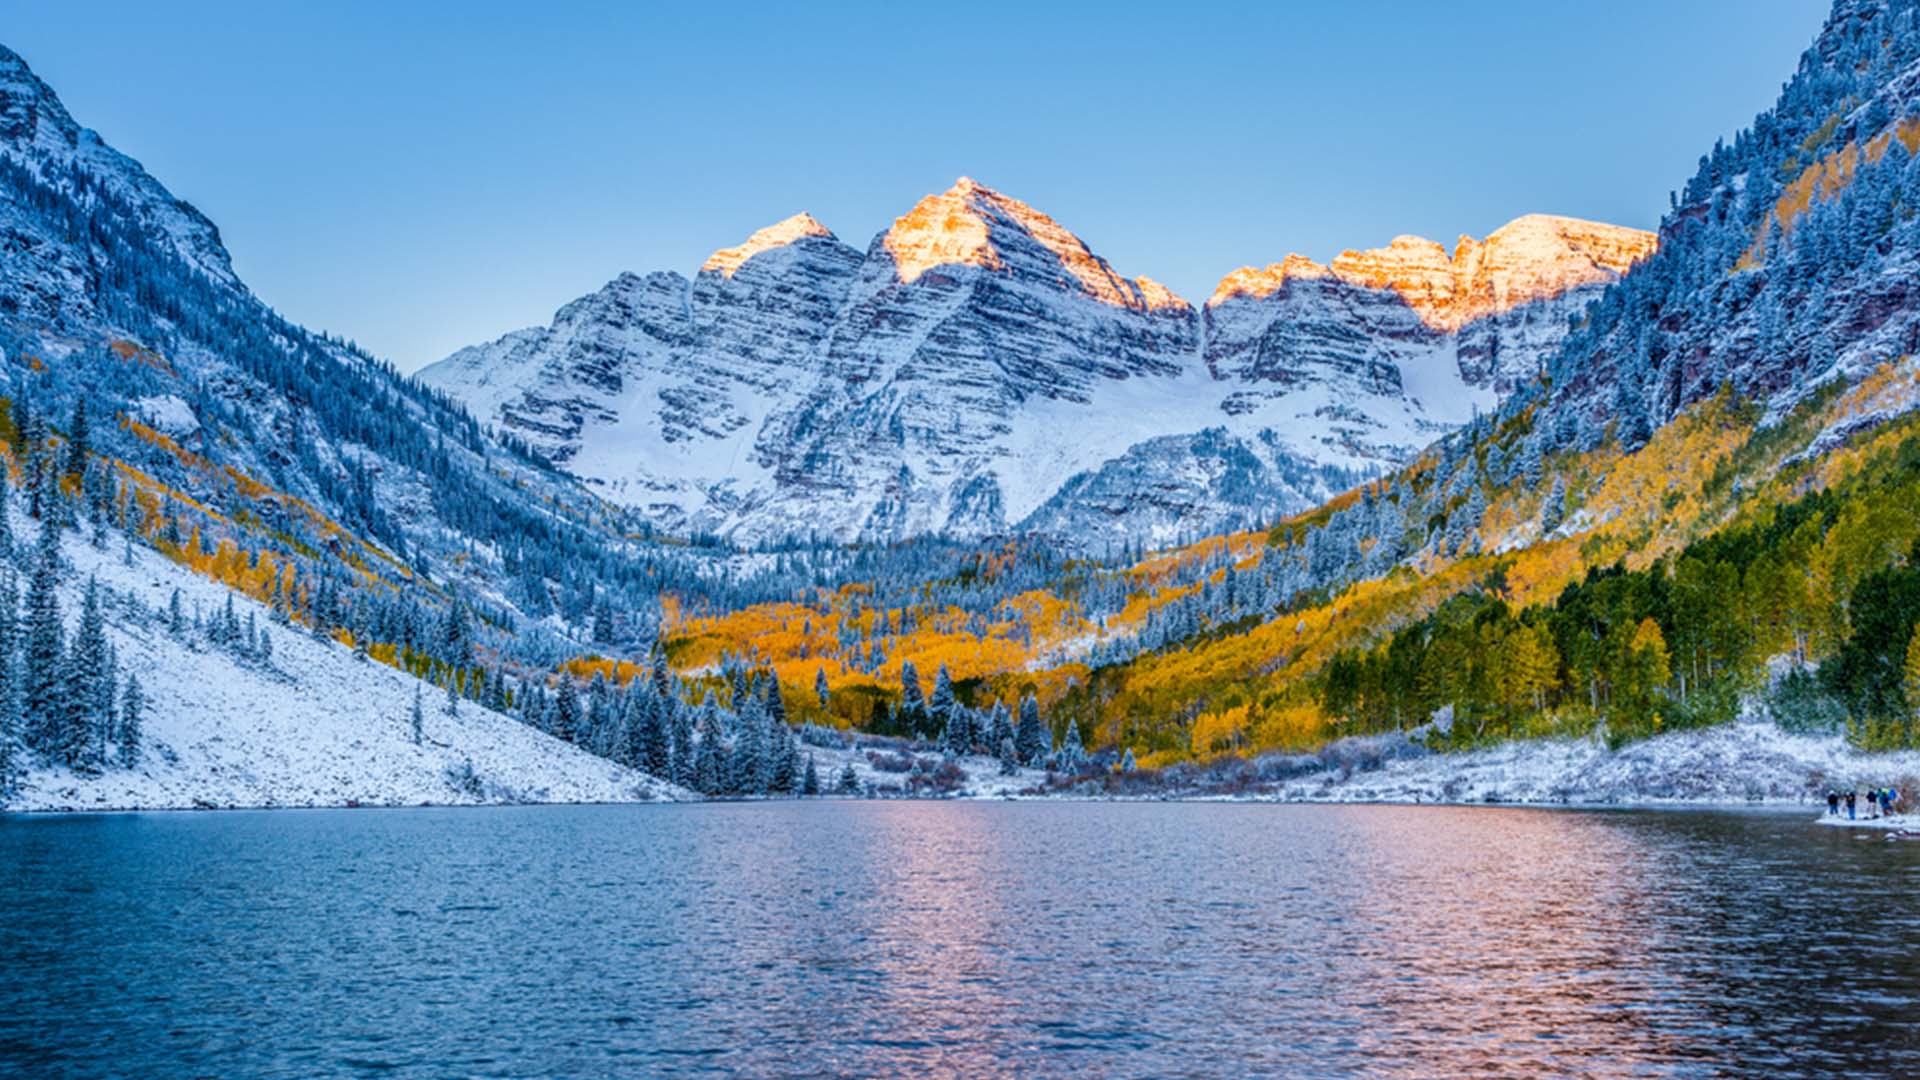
(956, 939)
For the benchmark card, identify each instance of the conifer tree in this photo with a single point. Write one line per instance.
(44, 648)
(1030, 737)
(820, 689)
(849, 780)
(452, 706)
(133, 711)
(942, 703)
(79, 440)
(999, 725)
(656, 740)
(748, 759)
(1553, 508)
(775, 703)
(680, 731)
(913, 707)
(416, 720)
(83, 740)
(565, 722)
(6, 520)
(810, 781)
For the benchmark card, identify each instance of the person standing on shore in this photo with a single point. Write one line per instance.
(1833, 803)
(1850, 805)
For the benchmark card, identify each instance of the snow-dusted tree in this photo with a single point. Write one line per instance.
(785, 757)
(820, 690)
(999, 725)
(1072, 756)
(775, 702)
(1009, 757)
(133, 718)
(1553, 507)
(565, 721)
(84, 738)
(1030, 737)
(42, 699)
(941, 704)
(710, 756)
(913, 706)
(452, 705)
(748, 761)
(680, 730)
(810, 781)
(849, 780)
(417, 720)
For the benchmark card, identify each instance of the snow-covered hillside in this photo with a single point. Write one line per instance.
(311, 727)
(981, 370)
(1751, 761)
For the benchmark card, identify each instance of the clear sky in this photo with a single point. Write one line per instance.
(426, 178)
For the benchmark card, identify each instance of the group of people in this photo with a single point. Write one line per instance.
(1882, 801)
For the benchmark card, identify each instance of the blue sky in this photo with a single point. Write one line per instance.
(419, 180)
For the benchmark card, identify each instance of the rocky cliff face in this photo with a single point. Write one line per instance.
(980, 369)
(1495, 309)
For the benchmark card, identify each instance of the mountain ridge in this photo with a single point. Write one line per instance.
(946, 379)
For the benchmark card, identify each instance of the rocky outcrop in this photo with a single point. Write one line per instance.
(1495, 309)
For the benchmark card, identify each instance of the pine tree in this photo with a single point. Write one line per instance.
(942, 703)
(603, 622)
(849, 780)
(748, 758)
(913, 707)
(79, 440)
(1030, 737)
(710, 757)
(565, 723)
(12, 739)
(656, 743)
(820, 690)
(810, 781)
(775, 702)
(83, 740)
(680, 732)
(1553, 507)
(452, 706)
(786, 763)
(1072, 755)
(999, 725)
(42, 699)
(1009, 758)
(6, 520)
(176, 618)
(417, 721)
(133, 711)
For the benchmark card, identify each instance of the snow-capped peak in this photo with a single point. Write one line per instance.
(777, 235)
(1535, 257)
(971, 224)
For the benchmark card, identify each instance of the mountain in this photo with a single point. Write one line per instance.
(151, 405)
(981, 370)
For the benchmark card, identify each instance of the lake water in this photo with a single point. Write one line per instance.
(929, 939)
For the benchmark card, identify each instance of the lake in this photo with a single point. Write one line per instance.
(938, 938)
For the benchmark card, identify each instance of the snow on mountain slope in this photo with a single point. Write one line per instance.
(314, 728)
(655, 388)
(981, 369)
(37, 130)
